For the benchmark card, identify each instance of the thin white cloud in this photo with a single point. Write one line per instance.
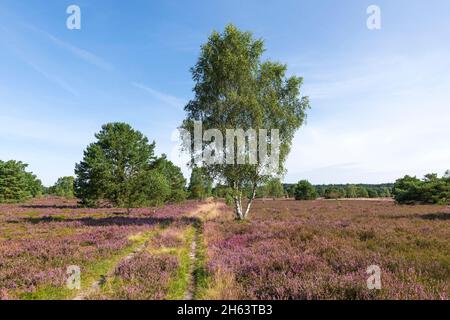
(53, 78)
(163, 97)
(83, 54)
(49, 76)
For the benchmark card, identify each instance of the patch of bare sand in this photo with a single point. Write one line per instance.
(208, 210)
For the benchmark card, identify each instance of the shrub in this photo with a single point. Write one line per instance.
(332, 193)
(200, 185)
(431, 189)
(305, 191)
(175, 178)
(274, 188)
(156, 188)
(64, 187)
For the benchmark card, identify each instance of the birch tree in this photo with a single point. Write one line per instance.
(235, 90)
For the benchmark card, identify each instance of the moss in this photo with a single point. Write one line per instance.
(202, 277)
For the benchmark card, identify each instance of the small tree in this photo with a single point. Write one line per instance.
(384, 192)
(234, 89)
(16, 184)
(362, 192)
(115, 168)
(332, 193)
(304, 190)
(351, 191)
(174, 177)
(274, 188)
(153, 189)
(372, 192)
(64, 187)
(200, 184)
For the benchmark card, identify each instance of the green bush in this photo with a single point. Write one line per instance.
(431, 189)
(200, 184)
(305, 191)
(175, 178)
(273, 188)
(64, 187)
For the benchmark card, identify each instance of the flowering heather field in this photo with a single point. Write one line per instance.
(287, 250)
(38, 241)
(321, 249)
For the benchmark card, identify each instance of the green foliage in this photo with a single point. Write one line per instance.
(16, 184)
(361, 192)
(384, 192)
(220, 191)
(351, 191)
(235, 89)
(335, 191)
(34, 185)
(304, 190)
(273, 188)
(116, 168)
(200, 184)
(175, 178)
(290, 190)
(229, 199)
(155, 187)
(332, 193)
(64, 187)
(372, 193)
(224, 192)
(431, 189)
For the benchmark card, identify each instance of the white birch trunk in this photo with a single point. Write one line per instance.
(238, 207)
(249, 204)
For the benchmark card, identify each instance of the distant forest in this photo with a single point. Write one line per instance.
(334, 191)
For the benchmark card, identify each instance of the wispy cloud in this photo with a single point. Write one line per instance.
(53, 78)
(379, 76)
(36, 67)
(83, 54)
(163, 97)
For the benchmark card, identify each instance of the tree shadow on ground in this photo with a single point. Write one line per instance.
(113, 221)
(436, 216)
(444, 216)
(45, 206)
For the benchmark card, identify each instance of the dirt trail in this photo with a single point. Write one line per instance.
(206, 211)
(189, 294)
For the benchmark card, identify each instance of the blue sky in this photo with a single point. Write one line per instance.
(380, 99)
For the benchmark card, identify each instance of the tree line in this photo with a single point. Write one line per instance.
(303, 190)
(146, 180)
